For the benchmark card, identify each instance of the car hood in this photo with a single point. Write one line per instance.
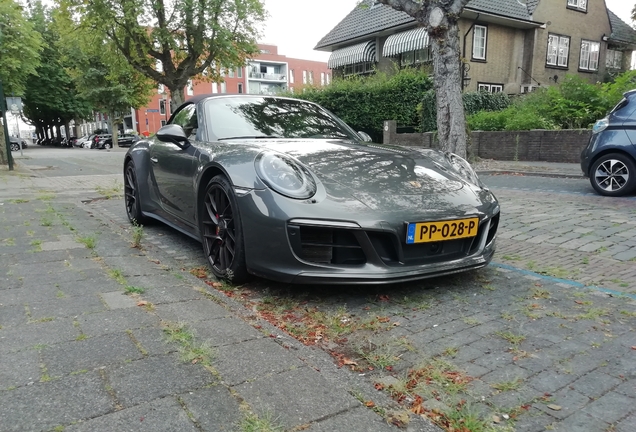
(373, 169)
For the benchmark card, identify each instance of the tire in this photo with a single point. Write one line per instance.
(131, 195)
(613, 174)
(222, 231)
(15, 147)
(107, 146)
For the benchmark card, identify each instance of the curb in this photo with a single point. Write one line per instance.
(530, 173)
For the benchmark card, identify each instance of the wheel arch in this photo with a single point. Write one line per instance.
(207, 174)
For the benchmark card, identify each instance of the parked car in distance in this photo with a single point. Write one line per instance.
(79, 142)
(104, 141)
(609, 160)
(15, 143)
(123, 140)
(281, 188)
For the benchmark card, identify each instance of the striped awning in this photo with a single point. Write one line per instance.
(360, 53)
(411, 40)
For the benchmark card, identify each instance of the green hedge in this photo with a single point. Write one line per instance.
(474, 102)
(364, 103)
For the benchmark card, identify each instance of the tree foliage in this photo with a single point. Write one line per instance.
(20, 46)
(174, 41)
(440, 18)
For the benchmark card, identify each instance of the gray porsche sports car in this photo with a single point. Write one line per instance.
(281, 188)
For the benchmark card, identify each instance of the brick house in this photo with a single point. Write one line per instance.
(267, 73)
(507, 45)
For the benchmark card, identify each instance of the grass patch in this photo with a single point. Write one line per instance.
(539, 293)
(81, 337)
(253, 423)
(512, 257)
(471, 321)
(134, 290)
(88, 241)
(507, 385)
(9, 241)
(37, 244)
(112, 191)
(45, 197)
(450, 352)
(592, 314)
(378, 357)
(191, 351)
(118, 276)
(18, 201)
(137, 234)
(511, 337)
(45, 221)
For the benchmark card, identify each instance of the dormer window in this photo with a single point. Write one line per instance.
(580, 5)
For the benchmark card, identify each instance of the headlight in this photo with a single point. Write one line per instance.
(600, 126)
(464, 169)
(285, 175)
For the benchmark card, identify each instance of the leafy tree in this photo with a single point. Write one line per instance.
(171, 42)
(102, 75)
(440, 18)
(51, 99)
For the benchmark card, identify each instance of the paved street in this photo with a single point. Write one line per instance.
(541, 339)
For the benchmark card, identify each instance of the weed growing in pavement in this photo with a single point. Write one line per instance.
(37, 245)
(18, 201)
(134, 290)
(112, 191)
(488, 287)
(9, 242)
(81, 337)
(118, 276)
(512, 257)
(450, 352)
(585, 260)
(45, 197)
(628, 314)
(471, 321)
(253, 423)
(137, 234)
(511, 337)
(45, 221)
(592, 314)
(507, 385)
(379, 357)
(538, 293)
(44, 373)
(60, 294)
(601, 250)
(417, 302)
(531, 265)
(191, 351)
(507, 316)
(88, 241)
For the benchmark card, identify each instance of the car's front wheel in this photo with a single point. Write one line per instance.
(222, 232)
(131, 195)
(15, 147)
(107, 146)
(613, 174)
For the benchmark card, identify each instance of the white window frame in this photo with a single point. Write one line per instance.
(480, 39)
(558, 52)
(190, 88)
(311, 77)
(322, 79)
(239, 72)
(223, 87)
(614, 59)
(162, 106)
(490, 88)
(589, 57)
(578, 4)
(328, 78)
(215, 87)
(291, 76)
(304, 77)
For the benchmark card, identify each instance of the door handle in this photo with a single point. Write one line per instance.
(154, 159)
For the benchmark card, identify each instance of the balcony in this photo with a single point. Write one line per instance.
(268, 77)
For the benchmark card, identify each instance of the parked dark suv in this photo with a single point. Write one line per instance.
(609, 159)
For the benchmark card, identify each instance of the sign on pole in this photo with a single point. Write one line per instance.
(14, 104)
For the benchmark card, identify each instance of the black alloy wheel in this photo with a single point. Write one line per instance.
(131, 195)
(221, 231)
(613, 174)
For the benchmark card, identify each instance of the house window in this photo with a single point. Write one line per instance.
(558, 50)
(240, 88)
(215, 88)
(162, 107)
(304, 77)
(311, 77)
(358, 68)
(161, 88)
(163, 123)
(328, 79)
(322, 78)
(189, 88)
(223, 87)
(230, 73)
(479, 42)
(578, 4)
(490, 88)
(411, 58)
(589, 55)
(239, 72)
(614, 59)
(291, 76)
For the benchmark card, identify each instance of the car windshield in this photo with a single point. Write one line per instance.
(265, 117)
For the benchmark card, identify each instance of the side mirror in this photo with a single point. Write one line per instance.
(174, 134)
(365, 136)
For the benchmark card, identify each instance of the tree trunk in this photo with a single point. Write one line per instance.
(177, 97)
(114, 129)
(78, 128)
(451, 120)
(67, 131)
(4, 157)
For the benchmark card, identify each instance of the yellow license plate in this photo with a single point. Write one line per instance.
(422, 232)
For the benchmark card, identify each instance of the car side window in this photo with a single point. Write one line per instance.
(187, 119)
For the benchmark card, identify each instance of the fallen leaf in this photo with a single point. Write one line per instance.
(217, 284)
(384, 298)
(578, 302)
(155, 261)
(142, 303)
(379, 386)
(195, 361)
(397, 324)
(384, 319)
(634, 347)
(347, 362)
(554, 407)
(369, 404)
(389, 368)
(496, 419)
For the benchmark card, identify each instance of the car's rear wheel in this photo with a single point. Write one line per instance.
(613, 174)
(15, 147)
(107, 146)
(131, 195)
(222, 232)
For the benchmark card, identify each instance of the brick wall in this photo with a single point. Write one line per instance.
(534, 145)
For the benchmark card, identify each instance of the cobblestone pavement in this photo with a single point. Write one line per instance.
(543, 339)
